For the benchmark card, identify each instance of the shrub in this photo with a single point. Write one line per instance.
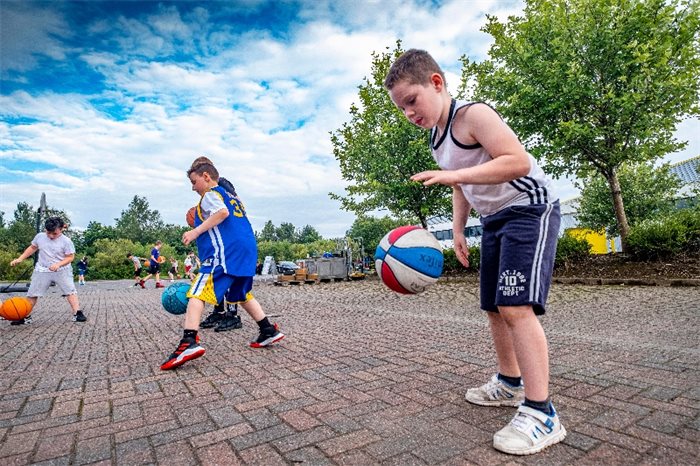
(110, 262)
(571, 249)
(453, 266)
(13, 273)
(665, 237)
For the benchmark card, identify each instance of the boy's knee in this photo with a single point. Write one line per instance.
(511, 315)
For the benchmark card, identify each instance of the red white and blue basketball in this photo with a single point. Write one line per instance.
(174, 298)
(409, 259)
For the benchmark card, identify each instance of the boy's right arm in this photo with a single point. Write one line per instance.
(213, 220)
(460, 214)
(27, 253)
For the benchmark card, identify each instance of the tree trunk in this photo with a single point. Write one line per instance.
(619, 206)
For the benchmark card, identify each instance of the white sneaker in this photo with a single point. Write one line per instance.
(530, 431)
(496, 393)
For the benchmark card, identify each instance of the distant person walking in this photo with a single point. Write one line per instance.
(191, 264)
(154, 267)
(82, 270)
(136, 261)
(173, 273)
(56, 252)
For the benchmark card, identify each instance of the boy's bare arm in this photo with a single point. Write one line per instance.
(66, 260)
(213, 220)
(481, 124)
(460, 214)
(31, 249)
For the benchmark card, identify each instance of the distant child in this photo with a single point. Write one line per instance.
(137, 268)
(82, 270)
(189, 263)
(489, 170)
(56, 252)
(154, 267)
(226, 243)
(173, 273)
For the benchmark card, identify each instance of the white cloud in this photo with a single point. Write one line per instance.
(260, 104)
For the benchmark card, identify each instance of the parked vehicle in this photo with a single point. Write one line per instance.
(286, 268)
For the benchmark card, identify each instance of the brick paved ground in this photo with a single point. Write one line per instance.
(364, 377)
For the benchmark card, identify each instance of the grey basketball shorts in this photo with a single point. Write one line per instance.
(41, 281)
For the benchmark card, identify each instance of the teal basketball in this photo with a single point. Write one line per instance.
(174, 298)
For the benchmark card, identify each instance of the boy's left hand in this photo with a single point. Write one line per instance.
(189, 236)
(431, 177)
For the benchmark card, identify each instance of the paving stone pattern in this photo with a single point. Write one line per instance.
(365, 376)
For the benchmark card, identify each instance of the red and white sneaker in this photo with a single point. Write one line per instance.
(267, 338)
(187, 350)
(160, 285)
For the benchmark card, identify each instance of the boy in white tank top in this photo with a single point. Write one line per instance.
(489, 171)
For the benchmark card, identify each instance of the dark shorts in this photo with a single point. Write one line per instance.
(137, 272)
(518, 247)
(154, 268)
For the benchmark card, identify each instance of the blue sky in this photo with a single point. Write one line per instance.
(101, 101)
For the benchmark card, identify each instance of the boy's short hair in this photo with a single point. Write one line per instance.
(201, 160)
(52, 223)
(413, 66)
(158, 242)
(201, 168)
(128, 254)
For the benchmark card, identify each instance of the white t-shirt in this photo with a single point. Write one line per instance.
(52, 251)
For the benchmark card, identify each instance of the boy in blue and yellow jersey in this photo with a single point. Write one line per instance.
(226, 244)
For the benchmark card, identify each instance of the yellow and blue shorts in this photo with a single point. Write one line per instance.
(215, 285)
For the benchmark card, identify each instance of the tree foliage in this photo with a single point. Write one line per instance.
(309, 234)
(372, 230)
(649, 193)
(378, 151)
(268, 232)
(138, 222)
(594, 84)
(286, 232)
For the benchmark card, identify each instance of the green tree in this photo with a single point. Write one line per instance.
(309, 234)
(268, 232)
(171, 235)
(593, 84)
(139, 223)
(379, 150)
(109, 261)
(25, 213)
(650, 193)
(286, 232)
(85, 240)
(372, 230)
(23, 227)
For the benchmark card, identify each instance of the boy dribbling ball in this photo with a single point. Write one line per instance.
(489, 170)
(56, 252)
(226, 244)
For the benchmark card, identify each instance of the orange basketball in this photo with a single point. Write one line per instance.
(161, 259)
(16, 308)
(146, 263)
(190, 216)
